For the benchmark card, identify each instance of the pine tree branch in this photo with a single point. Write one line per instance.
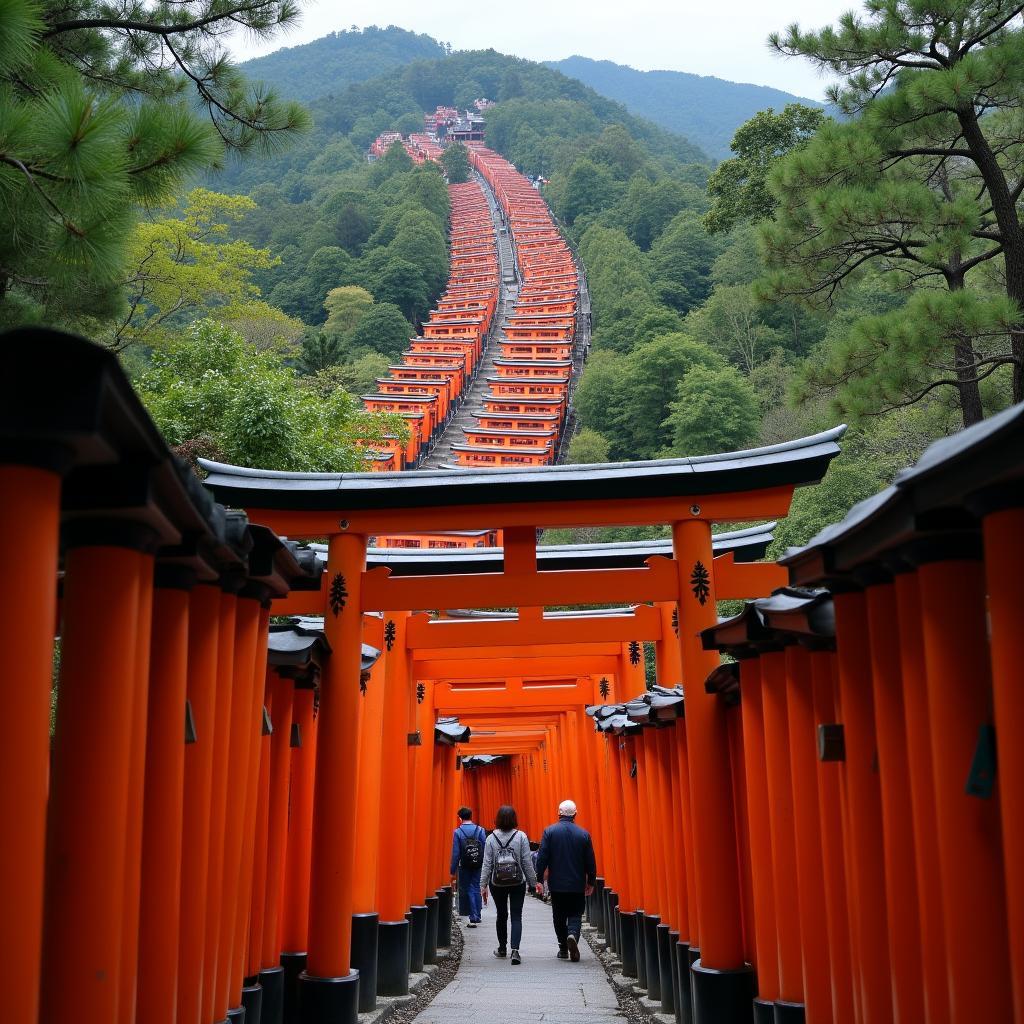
(155, 28)
(62, 219)
(970, 44)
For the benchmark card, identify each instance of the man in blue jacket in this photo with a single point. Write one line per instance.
(567, 855)
(467, 860)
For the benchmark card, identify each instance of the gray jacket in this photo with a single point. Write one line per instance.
(520, 845)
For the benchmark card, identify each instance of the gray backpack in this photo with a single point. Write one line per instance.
(506, 864)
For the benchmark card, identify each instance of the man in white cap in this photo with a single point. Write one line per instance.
(567, 855)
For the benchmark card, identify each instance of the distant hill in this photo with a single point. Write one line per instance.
(333, 62)
(706, 110)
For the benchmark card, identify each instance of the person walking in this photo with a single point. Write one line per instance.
(467, 860)
(567, 856)
(507, 869)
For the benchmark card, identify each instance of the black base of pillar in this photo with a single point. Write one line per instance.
(329, 1000)
(606, 913)
(430, 939)
(722, 997)
(393, 958)
(252, 1001)
(694, 956)
(640, 940)
(666, 967)
(236, 1016)
(293, 964)
(651, 923)
(764, 1011)
(627, 948)
(419, 938)
(684, 1002)
(597, 903)
(789, 1013)
(364, 959)
(615, 934)
(444, 917)
(272, 983)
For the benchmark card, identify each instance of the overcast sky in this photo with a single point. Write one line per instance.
(725, 38)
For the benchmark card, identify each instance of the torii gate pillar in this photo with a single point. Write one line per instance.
(723, 983)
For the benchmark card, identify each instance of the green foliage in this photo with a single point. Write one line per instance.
(680, 262)
(105, 108)
(739, 187)
(179, 266)
(628, 397)
(381, 234)
(924, 180)
(589, 188)
(320, 350)
(715, 410)
(847, 481)
(345, 306)
(705, 109)
(207, 384)
(327, 65)
(588, 446)
(382, 329)
(455, 161)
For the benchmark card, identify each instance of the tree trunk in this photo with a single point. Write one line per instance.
(1012, 236)
(967, 382)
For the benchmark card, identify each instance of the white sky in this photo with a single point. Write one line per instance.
(725, 38)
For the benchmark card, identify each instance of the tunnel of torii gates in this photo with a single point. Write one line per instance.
(244, 809)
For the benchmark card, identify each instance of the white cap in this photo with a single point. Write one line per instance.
(567, 809)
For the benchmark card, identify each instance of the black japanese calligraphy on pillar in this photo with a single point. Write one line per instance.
(389, 634)
(634, 652)
(700, 582)
(338, 594)
(603, 688)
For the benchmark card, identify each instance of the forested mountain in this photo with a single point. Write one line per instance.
(705, 109)
(540, 115)
(329, 64)
(828, 269)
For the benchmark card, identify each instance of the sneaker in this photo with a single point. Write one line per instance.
(563, 954)
(500, 953)
(574, 949)
(472, 924)
(515, 957)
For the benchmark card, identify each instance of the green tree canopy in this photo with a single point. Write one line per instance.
(588, 446)
(382, 328)
(104, 108)
(319, 351)
(455, 161)
(738, 189)
(345, 308)
(208, 386)
(681, 261)
(936, 92)
(715, 410)
(181, 266)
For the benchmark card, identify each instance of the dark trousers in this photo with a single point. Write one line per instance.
(567, 915)
(505, 896)
(469, 894)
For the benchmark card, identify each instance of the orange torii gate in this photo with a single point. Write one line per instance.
(688, 494)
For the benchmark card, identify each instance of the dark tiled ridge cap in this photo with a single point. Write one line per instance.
(793, 463)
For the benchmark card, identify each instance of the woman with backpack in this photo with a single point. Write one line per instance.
(507, 869)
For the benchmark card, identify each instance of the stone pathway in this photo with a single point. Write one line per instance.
(543, 990)
(472, 398)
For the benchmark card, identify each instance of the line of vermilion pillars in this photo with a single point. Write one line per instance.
(168, 829)
(867, 861)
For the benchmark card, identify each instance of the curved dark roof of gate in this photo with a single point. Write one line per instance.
(746, 545)
(803, 461)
